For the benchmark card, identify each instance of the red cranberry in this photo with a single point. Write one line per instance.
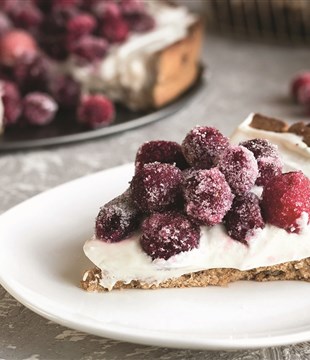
(115, 30)
(285, 198)
(82, 24)
(130, 7)
(95, 111)
(261, 148)
(161, 151)
(156, 187)
(39, 108)
(65, 90)
(90, 48)
(11, 102)
(268, 167)
(299, 81)
(207, 196)
(244, 217)
(27, 16)
(240, 168)
(168, 234)
(117, 219)
(203, 146)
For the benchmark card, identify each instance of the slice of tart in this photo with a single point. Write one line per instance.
(207, 212)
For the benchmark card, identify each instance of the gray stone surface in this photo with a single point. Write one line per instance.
(244, 77)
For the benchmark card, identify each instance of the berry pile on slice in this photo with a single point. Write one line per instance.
(206, 181)
(37, 36)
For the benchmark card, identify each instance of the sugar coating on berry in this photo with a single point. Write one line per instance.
(240, 168)
(244, 217)
(117, 219)
(95, 111)
(207, 195)
(11, 102)
(261, 148)
(203, 146)
(39, 108)
(160, 151)
(268, 168)
(156, 187)
(285, 199)
(168, 234)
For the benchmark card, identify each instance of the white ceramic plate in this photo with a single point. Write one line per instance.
(41, 263)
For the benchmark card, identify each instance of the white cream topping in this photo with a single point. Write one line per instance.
(126, 261)
(127, 65)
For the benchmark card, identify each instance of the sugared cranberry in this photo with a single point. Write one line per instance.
(106, 9)
(298, 82)
(27, 16)
(11, 102)
(156, 187)
(130, 7)
(32, 73)
(89, 48)
(39, 108)
(203, 146)
(5, 24)
(268, 167)
(82, 24)
(244, 217)
(115, 30)
(14, 44)
(207, 196)
(117, 219)
(284, 200)
(168, 234)
(65, 90)
(140, 22)
(240, 168)
(268, 159)
(161, 151)
(95, 111)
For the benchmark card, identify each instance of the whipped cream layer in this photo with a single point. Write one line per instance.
(126, 261)
(127, 66)
(294, 152)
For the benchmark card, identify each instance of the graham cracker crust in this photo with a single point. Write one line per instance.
(294, 270)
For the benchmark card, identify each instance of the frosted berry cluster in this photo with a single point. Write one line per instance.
(36, 35)
(206, 181)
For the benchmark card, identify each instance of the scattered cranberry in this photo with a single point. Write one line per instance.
(168, 234)
(298, 82)
(82, 24)
(117, 219)
(240, 168)
(95, 111)
(65, 90)
(27, 16)
(90, 48)
(5, 24)
(203, 146)
(15, 44)
(39, 108)
(130, 7)
(207, 195)
(156, 187)
(11, 102)
(285, 198)
(140, 22)
(268, 167)
(161, 151)
(115, 30)
(244, 217)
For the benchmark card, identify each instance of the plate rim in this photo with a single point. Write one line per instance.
(149, 337)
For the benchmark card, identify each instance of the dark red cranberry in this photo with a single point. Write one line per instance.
(27, 16)
(130, 7)
(203, 146)
(39, 108)
(156, 187)
(285, 199)
(140, 22)
(117, 219)
(298, 82)
(207, 195)
(55, 24)
(115, 30)
(244, 218)
(161, 151)
(95, 111)
(261, 148)
(168, 234)
(89, 48)
(5, 24)
(65, 90)
(11, 102)
(268, 167)
(240, 168)
(55, 47)
(82, 24)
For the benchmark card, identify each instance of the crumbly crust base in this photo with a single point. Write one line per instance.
(294, 270)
